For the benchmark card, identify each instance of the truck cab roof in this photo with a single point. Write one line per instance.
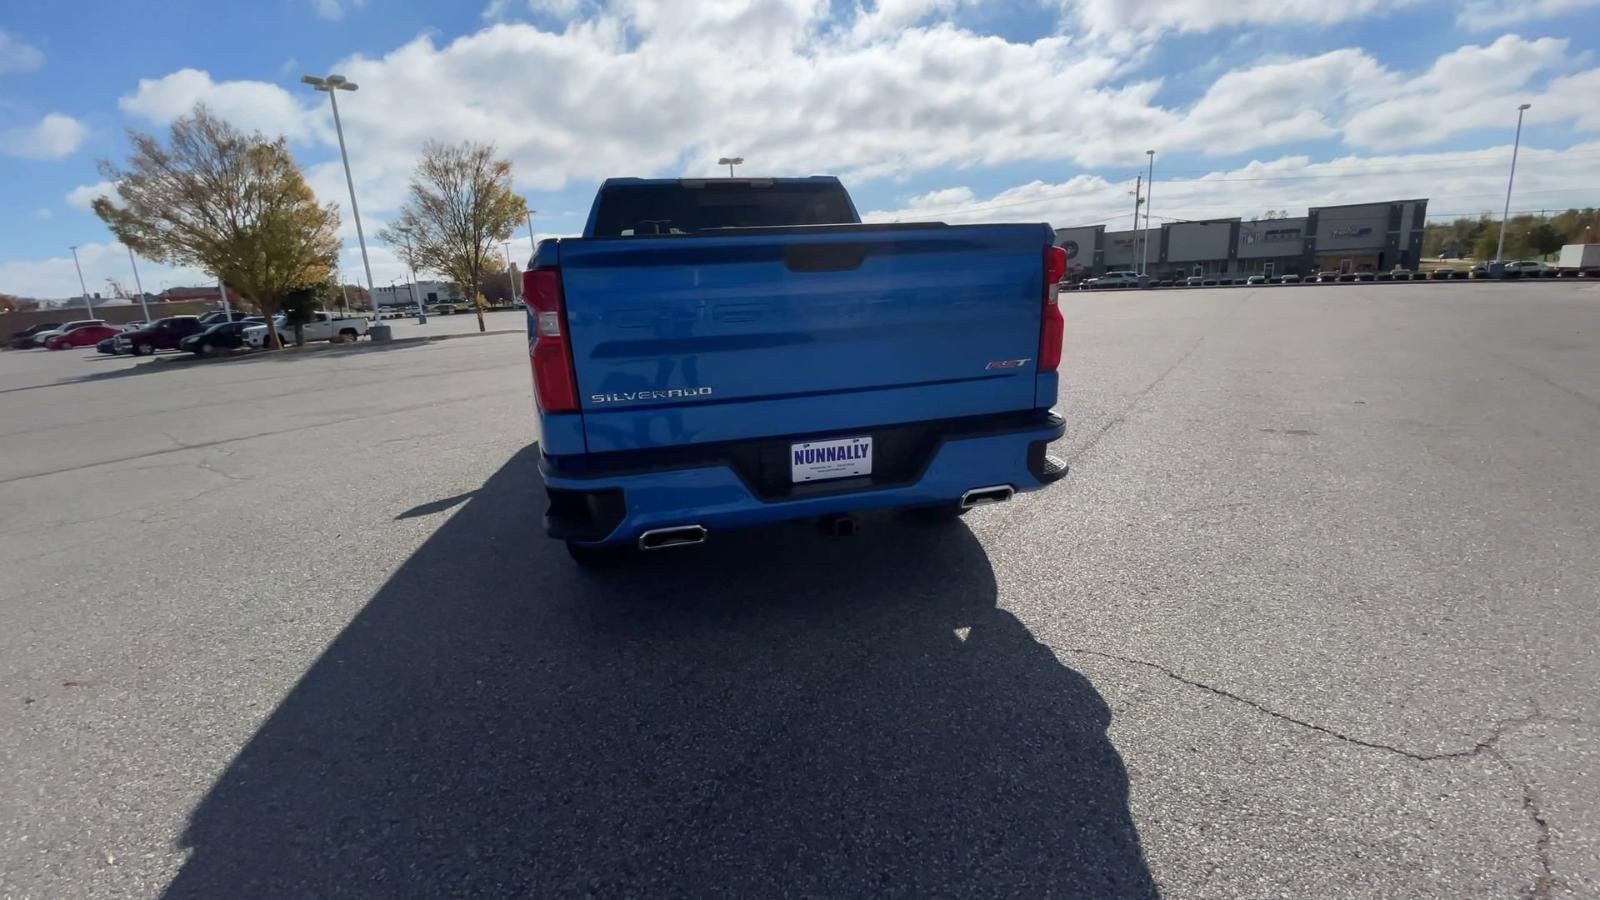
(653, 207)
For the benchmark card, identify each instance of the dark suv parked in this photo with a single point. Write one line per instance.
(162, 334)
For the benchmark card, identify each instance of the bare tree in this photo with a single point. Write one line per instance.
(460, 205)
(230, 203)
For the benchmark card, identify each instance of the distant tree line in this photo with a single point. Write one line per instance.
(1527, 236)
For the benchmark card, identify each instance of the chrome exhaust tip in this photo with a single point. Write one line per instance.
(676, 536)
(998, 493)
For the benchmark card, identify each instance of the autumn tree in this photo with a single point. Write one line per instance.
(232, 204)
(459, 206)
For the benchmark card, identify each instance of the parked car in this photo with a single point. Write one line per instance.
(759, 431)
(1481, 270)
(221, 336)
(162, 334)
(232, 315)
(40, 338)
(324, 326)
(256, 335)
(109, 345)
(86, 336)
(1529, 268)
(1116, 279)
(1255, 279)
(1290, 278)
(21, 340)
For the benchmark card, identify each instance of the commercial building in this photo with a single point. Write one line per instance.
(1369, 237)
(1274, 247)
(427, 292)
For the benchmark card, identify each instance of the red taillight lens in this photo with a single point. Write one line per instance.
(1055, 264)
(1052, 327)
(554, 385)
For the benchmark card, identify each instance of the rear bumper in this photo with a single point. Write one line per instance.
(602, 500)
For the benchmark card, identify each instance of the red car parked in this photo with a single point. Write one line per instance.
(87, 336)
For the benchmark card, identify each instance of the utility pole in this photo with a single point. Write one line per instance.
(1138, 200)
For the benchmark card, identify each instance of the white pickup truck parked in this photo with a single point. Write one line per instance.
(324, 326)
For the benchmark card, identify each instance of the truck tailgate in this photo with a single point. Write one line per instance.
(793, 331)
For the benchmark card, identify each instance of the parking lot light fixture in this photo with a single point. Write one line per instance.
(1149, 183)
(331, 86)
(1500, 247)
(138, 286)
(730, 162)
(89, 304)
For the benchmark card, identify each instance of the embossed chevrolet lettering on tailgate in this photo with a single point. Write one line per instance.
(672, 394)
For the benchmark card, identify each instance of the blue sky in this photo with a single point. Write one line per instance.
(1031, 109)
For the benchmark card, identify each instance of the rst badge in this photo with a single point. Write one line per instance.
(1008, 364)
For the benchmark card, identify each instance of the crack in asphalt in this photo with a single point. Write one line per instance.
(1150, 388)
(1545, 881)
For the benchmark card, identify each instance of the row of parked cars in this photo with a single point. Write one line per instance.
(1518, 269)
(200, 335)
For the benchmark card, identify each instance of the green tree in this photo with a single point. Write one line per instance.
(1543, 239)
(1483, 247)
(232, 204)
(459, 206)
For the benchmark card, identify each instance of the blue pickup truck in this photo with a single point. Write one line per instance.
(717, 353)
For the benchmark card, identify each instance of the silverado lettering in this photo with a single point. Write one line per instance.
(650, 395)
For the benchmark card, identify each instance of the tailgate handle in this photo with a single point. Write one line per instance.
(823, 257)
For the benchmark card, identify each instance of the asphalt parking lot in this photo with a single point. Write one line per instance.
(1313, 615)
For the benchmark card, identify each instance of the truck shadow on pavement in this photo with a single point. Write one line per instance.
(773, 713)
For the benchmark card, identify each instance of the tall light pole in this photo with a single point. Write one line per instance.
(331, 86)
(1500, 247)
(509, 277)
(730, 162)
(89, 304)
(143, 305)
(411, 272)
(1149, 184)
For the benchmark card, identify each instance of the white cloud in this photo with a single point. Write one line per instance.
(43, 214)
(1149, 17)
(56, 278)
(17, 55)
(252, 105)
(1466, 183)
(334, 10)
(83, 196)
(1468, 88)
(53, 137)
(1483, 15)
(665, 87)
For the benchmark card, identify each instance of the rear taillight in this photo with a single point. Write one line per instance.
(554, 385)
(1053, 328)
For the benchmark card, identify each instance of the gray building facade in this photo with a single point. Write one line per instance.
(1363, 237)
(1367, 237)
(1274, 247)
